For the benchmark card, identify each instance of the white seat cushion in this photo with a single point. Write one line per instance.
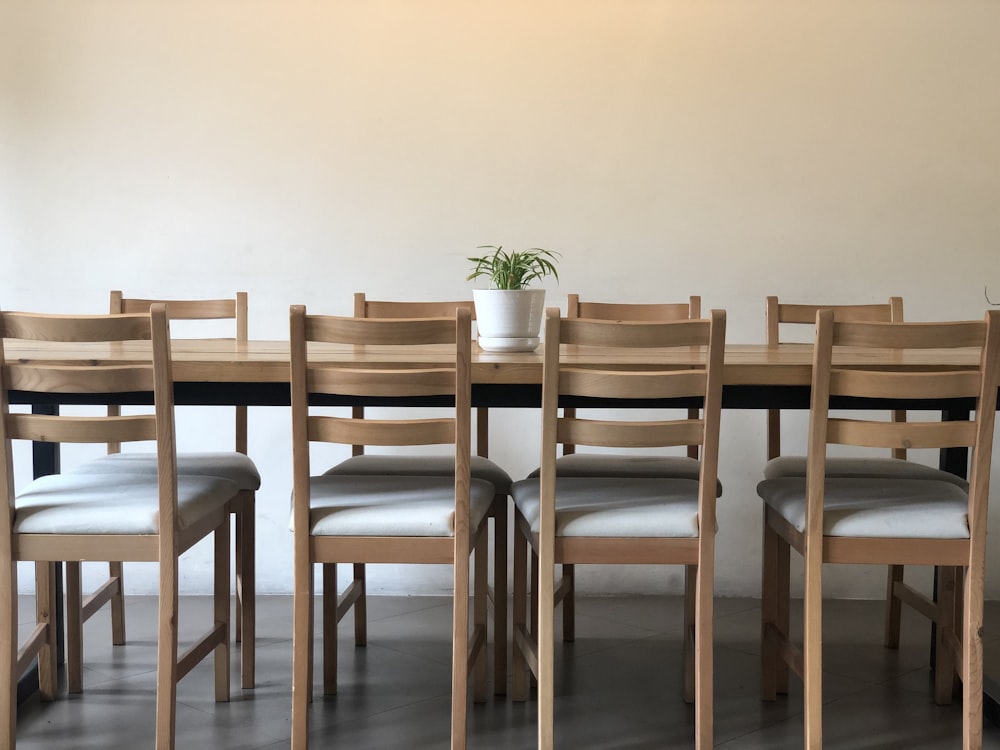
(433, 466)
(112, 503)
(615, 507)
(890, 508)
(623, 465)
(364, 505)
(896, 468)
(232, 466)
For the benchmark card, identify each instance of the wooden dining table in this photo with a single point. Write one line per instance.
(256, 373)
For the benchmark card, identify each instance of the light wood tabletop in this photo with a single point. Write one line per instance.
(257, 361)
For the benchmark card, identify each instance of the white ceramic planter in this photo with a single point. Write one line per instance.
(509, 320)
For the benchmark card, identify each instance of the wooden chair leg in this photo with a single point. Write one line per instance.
(569, 604)
(769, 595)
(460, 642)
(246, 597)
(519, 666)
(117, 570)
(690, 584)
(545, 602)
(893, 606)
(972, 657)
(783, 614)
(222, 604)
(45, 612)
(812, 648)
(533, 604)
(74, 628)
(500, 591)
(944, 660)
(480, 611)
(360, 607)
(8, 649)
(166, 655)
(703, 651)
(330, 628)
(533, 592)
(302, 648)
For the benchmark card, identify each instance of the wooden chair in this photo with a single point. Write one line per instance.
(74, 517)
(434, 465)
(881, 520)
(595, 464)
(379, 518)
(233, 465)
(620, 520)
(780, 314)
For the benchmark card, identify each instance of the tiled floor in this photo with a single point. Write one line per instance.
(618, 685)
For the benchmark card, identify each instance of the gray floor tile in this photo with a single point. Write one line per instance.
(618, 685)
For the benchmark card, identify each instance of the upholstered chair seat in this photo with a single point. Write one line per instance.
(236, 467)
(614, 507)
(112, 503)
(860, 467)
(423, 465)
(344, 505)
(889, 508)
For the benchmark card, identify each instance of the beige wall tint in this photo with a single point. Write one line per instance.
(306, 150)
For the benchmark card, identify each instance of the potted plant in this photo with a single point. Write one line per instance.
(508, 314)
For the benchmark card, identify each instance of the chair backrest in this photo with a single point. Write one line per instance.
(393, 309)
(451, 378)
(656, 311)
(193, 309)
(561, 379)
(779, 313)
(977, 385)
(635, 311)
(49, 375)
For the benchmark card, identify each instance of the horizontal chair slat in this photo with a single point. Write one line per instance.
(182, 309)
(349, 431)
(378, 332)
(619, 384)
(48, 378)
(617, 434)
(52, 429)
(868, 384)
(911, 335)
(391, 309)
(408, 382)
(633, 311)
(807, 313)
(901, 434)
(583, 332)
(37, 327)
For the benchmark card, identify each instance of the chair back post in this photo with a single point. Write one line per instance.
(114, 410)
(7, 474)
(979, 480)
(547, 510)
(300, 421)
(712, 418)
(819, 412)
(463, 431)
(166, 446)
(242, 337)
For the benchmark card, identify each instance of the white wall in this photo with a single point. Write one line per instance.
(305, 150)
